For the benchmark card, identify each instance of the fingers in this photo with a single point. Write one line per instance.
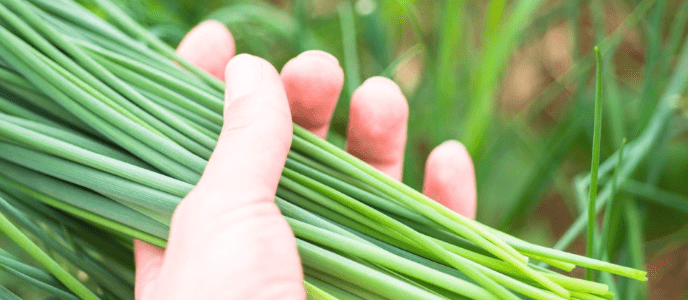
(208, 46)
(377, 125)
(379, 112)
(228, 239)
(450, 178)
(148, 261)
(313, 81)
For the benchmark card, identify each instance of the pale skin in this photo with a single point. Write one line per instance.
(227, 238)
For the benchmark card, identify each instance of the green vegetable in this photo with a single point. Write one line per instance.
(132, 136)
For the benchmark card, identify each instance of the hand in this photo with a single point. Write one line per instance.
(228, 239)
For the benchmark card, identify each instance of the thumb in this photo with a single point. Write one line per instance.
(228, 239)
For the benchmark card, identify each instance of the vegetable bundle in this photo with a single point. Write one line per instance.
(104, 129)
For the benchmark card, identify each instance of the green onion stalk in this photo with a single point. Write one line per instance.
(104, 130)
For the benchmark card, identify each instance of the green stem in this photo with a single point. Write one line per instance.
(597, 136)
(611, 206)
(347, 21)
(42, 258)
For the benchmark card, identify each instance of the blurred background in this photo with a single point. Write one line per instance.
(514, 82)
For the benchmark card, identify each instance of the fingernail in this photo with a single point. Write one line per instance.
(453, 144)
(381, 81)
(244, 74)
(320, 54)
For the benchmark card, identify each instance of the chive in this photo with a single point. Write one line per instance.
(65, 228)
(641, 146)
(343, 289)
(407, 56)
(100, 274)
(81, 17)
(21, 87)
(347, 21)
(378, 256)
(60, 90)
(595, 163)
(49, 286)
(361, 234)
(331, 289)
(578, 260)
(138, 31)
(117, 188)
(7, 261)
(77, 139)
(313, 292)
(79, 202)
(32, 249)
(101, 162)
(656, 195)
(334, 157)
(398, 231)
(306, 185)
(208, 128)
(636, 246)
(204, 97)
(10, 108)
(355, 192)
(374, 281)
(7, 294)
(602, 246)
(143, 82)
(121, 105)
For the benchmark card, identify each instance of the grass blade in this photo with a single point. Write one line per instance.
(597, 137)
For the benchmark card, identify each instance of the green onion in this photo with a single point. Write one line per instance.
(103, 135)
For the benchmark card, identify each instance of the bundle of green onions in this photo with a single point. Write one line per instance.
(103, 130)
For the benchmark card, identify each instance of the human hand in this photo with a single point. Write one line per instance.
(228, 239)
